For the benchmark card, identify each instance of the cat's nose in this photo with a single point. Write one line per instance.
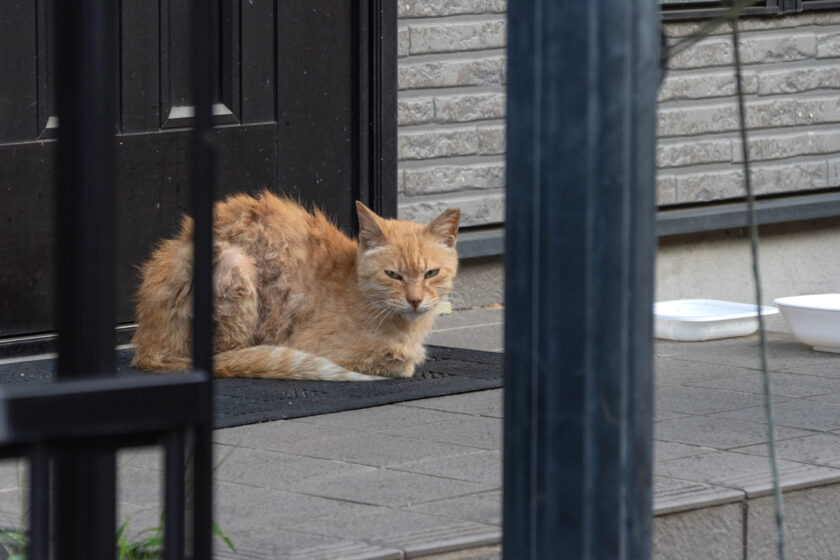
(415, 302)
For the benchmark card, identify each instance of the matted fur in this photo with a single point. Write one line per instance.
(297, 299)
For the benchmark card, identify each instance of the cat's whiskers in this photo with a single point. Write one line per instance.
(369, 322)
(388, 313)
(381, 307)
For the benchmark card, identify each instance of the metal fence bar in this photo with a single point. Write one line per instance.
(579, 268)
(204, 85)
(85, 506)
(646, 76)
(39, 503)
(174, 495)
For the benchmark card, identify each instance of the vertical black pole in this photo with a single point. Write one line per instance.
(379, 67)
(204, 21)
(39, 503)
(579, 278)
(85, 476)
(645, 75)
(174, 495)
(375, 118)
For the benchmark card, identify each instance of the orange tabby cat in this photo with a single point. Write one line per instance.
(297, 299)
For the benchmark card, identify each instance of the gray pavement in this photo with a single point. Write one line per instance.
(423, 477)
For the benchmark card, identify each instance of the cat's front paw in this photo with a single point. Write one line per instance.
(406, 371)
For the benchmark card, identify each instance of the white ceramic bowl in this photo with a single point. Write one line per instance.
(705, 319)
(814, 319)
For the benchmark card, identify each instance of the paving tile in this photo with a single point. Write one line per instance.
(139, 487)
(492, 552)
(783, 352)
(810, 524)
(716, 531)
(399, 529)
(271, 542)
(13, 473)
(376, 449)
(455, 538)
(718, 432)
(277, 435)
(675, 371)
(239, 507)
(149, 458)
(833, 398)
(659, 415)
(816, 449)
(12, 509)
(698, 400)
(749, 473)
(485, 507)
(478, 403)
(488, 337)
(484, 467)
(667, 450)
(379, 418)
(782, 384)
(469, 431)
(469, 318)
(388, 488)
(671, 495)
(829, 368)
(801, 413)
(269, 469)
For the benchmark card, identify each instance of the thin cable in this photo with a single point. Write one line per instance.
(732, 13)
(753, 231)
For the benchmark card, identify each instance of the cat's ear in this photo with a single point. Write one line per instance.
(370, 234)
(445, 226)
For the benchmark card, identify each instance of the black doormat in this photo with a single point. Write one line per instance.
(447, 371)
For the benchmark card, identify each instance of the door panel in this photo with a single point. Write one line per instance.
(318, 154)
(18, 89)
(291, 84)
(140, 66)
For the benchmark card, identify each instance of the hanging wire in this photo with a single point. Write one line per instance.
(731, 14)
(753, 233)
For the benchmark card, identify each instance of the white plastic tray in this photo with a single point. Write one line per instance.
(705, 319)
(814, 319)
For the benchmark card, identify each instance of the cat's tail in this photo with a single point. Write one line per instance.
(282, 362)
(262, 362)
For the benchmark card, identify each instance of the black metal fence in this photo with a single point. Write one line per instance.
(580, 242)
(70, 430)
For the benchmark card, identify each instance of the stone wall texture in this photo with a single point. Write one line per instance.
(451, 108)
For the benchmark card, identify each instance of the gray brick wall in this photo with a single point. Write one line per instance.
(792, 87)
(452, 104)
(451, 108)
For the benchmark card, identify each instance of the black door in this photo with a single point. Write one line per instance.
(304, 104)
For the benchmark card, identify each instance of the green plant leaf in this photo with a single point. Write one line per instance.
(221, 534)
(122, 539)
(13, 542)
(152, 542)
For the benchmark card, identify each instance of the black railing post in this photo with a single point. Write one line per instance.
(174, 495)
(85, 475)
(579, 253)
(204, 85)
(39, 503)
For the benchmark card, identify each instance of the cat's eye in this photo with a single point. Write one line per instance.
(432, 273)
(392, 274)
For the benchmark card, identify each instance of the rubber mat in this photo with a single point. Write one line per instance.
(446, 371)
